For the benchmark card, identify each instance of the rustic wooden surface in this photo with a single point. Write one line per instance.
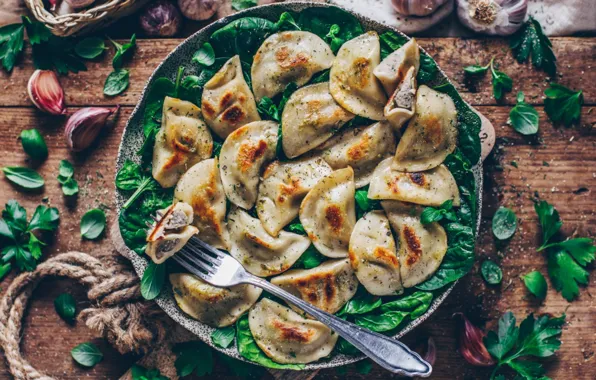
(559, 165)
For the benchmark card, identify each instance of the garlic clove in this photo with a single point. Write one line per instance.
(427, 350)
(416, 7)
(496, 17)
(471, 345)
(83, 127)
(46, 93)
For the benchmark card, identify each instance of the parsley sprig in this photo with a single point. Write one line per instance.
(531, 39)
(563, 104)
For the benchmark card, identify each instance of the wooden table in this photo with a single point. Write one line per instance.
(560, 165)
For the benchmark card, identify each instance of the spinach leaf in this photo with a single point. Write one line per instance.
(524, 118)
(491, 272)
(363, 203)
(536, 284)
(116, 83)
(132, 177)
(390, 315)
(65, 306)
(390, 42)
(86, 354)
(93, 224)
(242, 37)
(34, 144)
(320, 21)
(224, 336)
(504, 223)
(123, 51)
(239, 5)
(381, 322)
(24, 177)
(153, 279)
(428, 69)
(90, 47)
(193, 357)
(445, 210)
(501, 81)
(296, 228)
(309, 259)
(363, 302)
(205, 55)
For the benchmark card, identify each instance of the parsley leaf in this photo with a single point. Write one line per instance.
(11, 44)
(562, 104)
(501, 81)
(549, 220)
(531, 39)
(536, 284)
(523, 117)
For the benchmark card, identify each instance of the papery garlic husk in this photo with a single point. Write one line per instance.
(471, 345)
(495, 17)
(83, 127)
(46, 93)
(416, 7)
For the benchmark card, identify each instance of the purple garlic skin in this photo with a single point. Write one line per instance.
(160, 18)
(198, 9)
(83, 126)
(471, 345)
(494, 17)
(45, 92)
(416, 7)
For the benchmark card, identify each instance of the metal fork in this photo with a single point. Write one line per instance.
(221, 270)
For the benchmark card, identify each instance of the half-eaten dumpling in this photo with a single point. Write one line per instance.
(361, 148)
(352, 82)
(402, 104)
(288, 57)
(392, 70)
(182, 141)
(283, 187)
(216, 307)
(328, 213)
(287, 337)
(243, 154)
(260, 253)
(421, 247)
(428, 188)
(430, 136)
(201, 188)
(311, 116)
(171, 233)
(227, 101)
(329, 286)
(373, 255)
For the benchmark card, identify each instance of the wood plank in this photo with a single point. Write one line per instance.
(452, 54)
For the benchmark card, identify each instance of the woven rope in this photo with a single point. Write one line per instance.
(119, 313)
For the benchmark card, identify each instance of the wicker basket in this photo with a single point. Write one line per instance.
(86, 20)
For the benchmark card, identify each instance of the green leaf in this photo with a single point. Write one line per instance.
(500, 343)
(268, 109)
(34, 144)
(333, 25)
(536, 284)
(428, 69)
(65, 171)
(140, 373)
(381, 322)
(311, 258)
(16, 217)
(565, 274)
(549, 220)
(239, 5)
(332, 38)
(36, 31)
(153, 280)
(296, 228)
(65, 306)
(44, 218)
(501, 82)
(194, 357)
(11, 44)
(129, 177)
(86, 354)
(361, 304)
(524, 118)
(491, 272)
(286, 22)
(242, 36)
(476, 69)
(539, 337)
(563, 104)
(364, 204)
(582, 249)
(70, 187)
(531, 39)
(223, 337)
(390, 42)
(364, 367)
(24, 177)
(504, 223)
(205, 55)
(123, 51)
(527, 369)
(116, 83)
(90, 47)
(416, 304)
(93, 224)
(4, 270)
(431, 215)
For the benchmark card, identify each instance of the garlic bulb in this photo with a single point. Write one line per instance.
(83, 127)
(497, 17)
(198, 9)
(416, 7)
(46, 93)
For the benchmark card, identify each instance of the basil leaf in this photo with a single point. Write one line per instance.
(153, 280)
(93, 223)
(65, 171)
(223, 337)
(65, 306)
(524, 118)
(116, 83)
(536, 284)
(11, 44)
(491, 272)
(90, 47)
(205, 55)
(34, 144)
(239, 5)
(70, 187)
(24, 177)
(86, 354)
(504, 223)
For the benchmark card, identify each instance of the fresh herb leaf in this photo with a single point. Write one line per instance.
(66, 178)
(390, 42)
(86, 354)
(194, 357)
(4, 270)
(524, 118)
(286, 22)
(476, 69)
(93, 224)
(501, 81)
(428, 70)
(445, 211)
(549, 220)
(11, 44)
(239, 5)
(44, 218)
(536, 284)
(296, 228)
(332, 38)
(132, 177)
(123, 51)
(24, 177)
(90, 47)
(268, 109)
(390, 315)
(562, 104)
(531, 39)
(242, 36)
(224, 336)
(364, 367)
(364, 204)
(582, 249)
(362, 303)
(153, 279)
(565, 274)
(65, 306)
(491, 272)
(37, 32)
(70, 187)
(116, 83)
(504, 223)
(333, 25)
(205, 56)
(311, 258)
(34, 144)
(140, 373)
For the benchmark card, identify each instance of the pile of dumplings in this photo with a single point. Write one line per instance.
(399, 157)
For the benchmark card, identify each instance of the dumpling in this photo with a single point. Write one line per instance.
(430, 136)
(328, 213)
(429, 188)
(283, 187)
(201, 188)
(216, 307)
(361, 148)
(329, 286)
(402, 104)
(287, 337)
(227, 101)
(288, 57)
(260, 253)
(242, 155)
(421, 247)
(310, 118)
(352, 83)
(373, 255)
(182, 141)
(392, 70)
(171, 233)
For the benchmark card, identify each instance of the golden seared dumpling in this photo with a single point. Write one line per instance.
(283, 187)
(421, 247)
(402, 104)
(287, 337)
(361, 148)
(288, 57)
(201, 188)
(329, 286)
(182, 141)
(430, 136)
(328, 213)
(260, 253)
(311, 116)
(392, 70)
(352, 83)
(242, 156)
(428, 188)
(373, 255)
(227, 101)
(216, 307)
(171, 233)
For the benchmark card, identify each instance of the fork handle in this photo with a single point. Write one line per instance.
(389, 353)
